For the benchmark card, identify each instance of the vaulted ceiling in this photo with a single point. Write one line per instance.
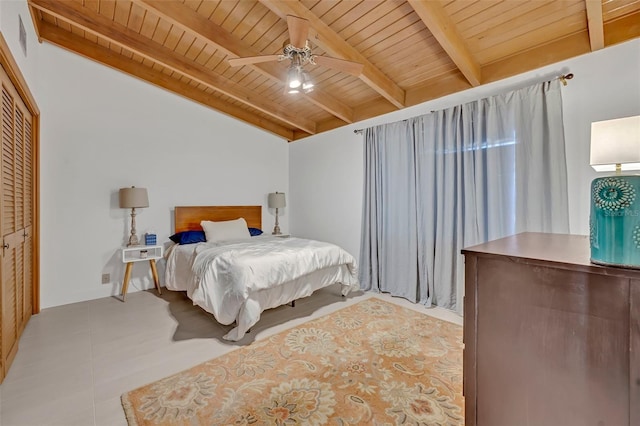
(412, 51)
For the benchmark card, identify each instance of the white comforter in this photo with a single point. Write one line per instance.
(225, 278)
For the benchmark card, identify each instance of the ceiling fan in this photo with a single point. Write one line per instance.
(299, 53)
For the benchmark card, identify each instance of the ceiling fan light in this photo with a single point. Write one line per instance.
(294, 84)
(294, 78)
(307, 83)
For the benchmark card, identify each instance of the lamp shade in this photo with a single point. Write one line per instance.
(616, 142)
(133, 198)
(277, 200)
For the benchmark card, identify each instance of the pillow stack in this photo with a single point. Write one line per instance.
(217, 231)
(226, 230)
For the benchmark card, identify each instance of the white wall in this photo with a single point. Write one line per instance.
(102, 130)
(325, 188)
(325, 175)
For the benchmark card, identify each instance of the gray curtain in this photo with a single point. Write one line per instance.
(437, 183)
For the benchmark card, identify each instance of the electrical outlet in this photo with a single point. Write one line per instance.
(106, 278)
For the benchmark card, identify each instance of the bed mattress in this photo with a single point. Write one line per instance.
(237, 280)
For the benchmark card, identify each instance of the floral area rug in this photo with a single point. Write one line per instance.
(371, 363)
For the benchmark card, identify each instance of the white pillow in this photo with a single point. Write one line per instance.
(226, 230)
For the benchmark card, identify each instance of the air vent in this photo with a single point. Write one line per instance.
(23, 36)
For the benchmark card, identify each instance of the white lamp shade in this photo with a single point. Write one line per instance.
(277, 200)
(616, 142)
(133, 198)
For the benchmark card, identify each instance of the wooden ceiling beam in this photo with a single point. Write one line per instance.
(595, 24)
(191, 21)
(444, 31)
(103, 27)
(333, 44)
(104, 56)
(34, 17)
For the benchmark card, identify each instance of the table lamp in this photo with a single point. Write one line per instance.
(277, 201)
(614, 224)
(133, 198)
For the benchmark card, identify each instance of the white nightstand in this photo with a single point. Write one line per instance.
(133, 254)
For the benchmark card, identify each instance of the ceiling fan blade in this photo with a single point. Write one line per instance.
(298, 31)
(236, 62)
(353, 68)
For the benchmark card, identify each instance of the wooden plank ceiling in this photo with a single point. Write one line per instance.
(412, 50)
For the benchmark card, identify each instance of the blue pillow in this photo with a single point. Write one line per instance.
(188, 237)
(255, 231)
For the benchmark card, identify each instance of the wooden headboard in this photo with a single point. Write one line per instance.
(188, 218)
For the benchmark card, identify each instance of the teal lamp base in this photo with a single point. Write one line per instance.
(615, 221)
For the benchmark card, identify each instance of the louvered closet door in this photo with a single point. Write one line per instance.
(28, 219)
(23, 192)
(16, 219)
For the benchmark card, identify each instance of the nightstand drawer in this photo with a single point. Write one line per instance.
(140, 253)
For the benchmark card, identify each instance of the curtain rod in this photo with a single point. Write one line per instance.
(563, 79)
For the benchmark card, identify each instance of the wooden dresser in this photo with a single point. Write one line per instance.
(550, 339)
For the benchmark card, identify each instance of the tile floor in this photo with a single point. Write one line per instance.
(75, 361)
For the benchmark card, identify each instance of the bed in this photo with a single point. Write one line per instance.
(236, 280)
